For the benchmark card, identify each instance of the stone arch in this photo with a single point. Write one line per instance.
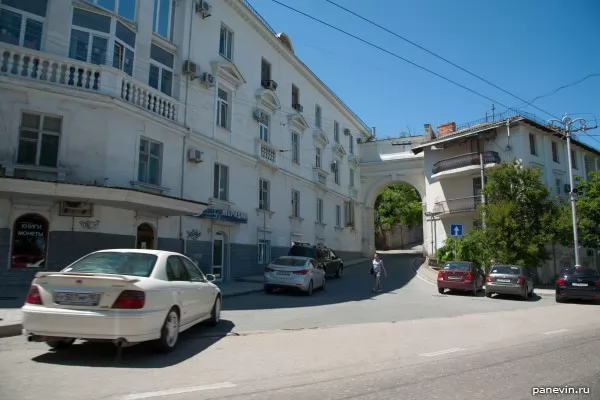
(269, 99)
(374, 189)
(146, 236)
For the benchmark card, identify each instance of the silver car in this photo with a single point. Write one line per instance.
(509, 279)
(291, 272)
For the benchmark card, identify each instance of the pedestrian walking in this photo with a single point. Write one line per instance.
(376, 272)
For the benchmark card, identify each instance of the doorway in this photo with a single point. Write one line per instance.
(218, 250)
(145, 237)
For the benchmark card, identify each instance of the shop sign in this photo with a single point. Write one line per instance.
(224, 215)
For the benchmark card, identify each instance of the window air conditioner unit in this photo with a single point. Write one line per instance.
(258, 115)
(208, 79)
(269, 84)
(346, 131)
(203, 8)
(76, 209)
(190, 68)
(298, 107)
(195, 155)
(359, 141)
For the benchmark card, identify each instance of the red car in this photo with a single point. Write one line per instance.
(460, 275)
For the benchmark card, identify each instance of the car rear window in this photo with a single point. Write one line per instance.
(118, 263)
(587, 272)
(301, 251)
(506, 269)
(289, 262)
(458, 266)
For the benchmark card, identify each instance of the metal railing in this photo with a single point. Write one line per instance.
(465, 160)
(460, 205)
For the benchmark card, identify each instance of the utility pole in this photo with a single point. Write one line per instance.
(566, 125)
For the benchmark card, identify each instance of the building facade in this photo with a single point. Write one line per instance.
(189, 126)
(453, 174)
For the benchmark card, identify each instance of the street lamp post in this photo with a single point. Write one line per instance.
(566, 124)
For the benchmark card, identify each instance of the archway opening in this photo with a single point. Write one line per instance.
(398, 220)
(29, 242)
(145, 236)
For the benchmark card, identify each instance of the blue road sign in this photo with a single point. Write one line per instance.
(456, 229)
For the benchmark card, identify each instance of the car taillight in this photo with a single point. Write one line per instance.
(268, 269)
(469, 276)
(33, 296)
(521, 281)
(130, 299)
(598, 284)
(440, 275)
(560, 282)
(488, 279)
(301, 272)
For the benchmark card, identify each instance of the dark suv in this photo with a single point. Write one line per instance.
(326, 258)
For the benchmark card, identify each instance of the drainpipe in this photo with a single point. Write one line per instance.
(482, 174)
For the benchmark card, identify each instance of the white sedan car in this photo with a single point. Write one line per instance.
(125, 296)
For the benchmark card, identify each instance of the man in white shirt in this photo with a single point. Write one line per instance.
(377, 268)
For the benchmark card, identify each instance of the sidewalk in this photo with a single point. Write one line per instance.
(430, 274)
(10, 318)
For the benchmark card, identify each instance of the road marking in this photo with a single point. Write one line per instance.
(162, 393)
(439, 353)
(554, 332)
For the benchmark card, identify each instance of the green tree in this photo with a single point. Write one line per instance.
(399, 204)
(588, 211)
(471, 247)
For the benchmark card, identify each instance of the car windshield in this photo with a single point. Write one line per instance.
(289, 262)
(581, 272)
(457, 266)
(506, 269)
(301, 251)
(118, 263)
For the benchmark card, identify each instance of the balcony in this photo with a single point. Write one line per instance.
(320, 177)
(464, 205)
(47, 68)
(266, 153)
(464, 163)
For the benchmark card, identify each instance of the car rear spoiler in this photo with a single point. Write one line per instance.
(91, 275)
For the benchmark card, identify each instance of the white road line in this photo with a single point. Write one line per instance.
(170, 392)
(439, 353)
(425, 280)
(554, 332)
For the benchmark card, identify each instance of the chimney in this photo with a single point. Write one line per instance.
(446, 129)
(429, 133)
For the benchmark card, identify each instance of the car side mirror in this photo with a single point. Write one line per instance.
(210, 277)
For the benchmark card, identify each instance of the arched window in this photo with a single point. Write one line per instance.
(145, 236)
(29, 242)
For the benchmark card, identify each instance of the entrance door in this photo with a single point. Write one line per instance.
(218, 256)
(145, 237)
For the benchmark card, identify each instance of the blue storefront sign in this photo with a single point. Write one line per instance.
(224, 215)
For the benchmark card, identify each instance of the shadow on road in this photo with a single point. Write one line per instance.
(533, 298)
(101, 355)
(355, 285)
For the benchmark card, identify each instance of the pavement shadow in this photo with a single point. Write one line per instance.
(355, 285)
(532, 299)
(461, 293)
(105, 355)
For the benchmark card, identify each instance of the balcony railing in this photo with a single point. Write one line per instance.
(461, 205)
(266, 152)
(465, 160)
(49, 68)
(320, 176)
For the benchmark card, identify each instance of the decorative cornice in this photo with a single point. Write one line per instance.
(228, 71)
(297, 120)
(339, 149)
(268, 98)
(320, 136)
(353, 160)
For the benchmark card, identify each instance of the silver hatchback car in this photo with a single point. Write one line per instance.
(291, 272)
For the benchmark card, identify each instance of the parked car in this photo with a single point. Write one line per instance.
(326, 258)
(125, 296)
(509, 279)
(460, 275)
(291, 272)
(577, 283)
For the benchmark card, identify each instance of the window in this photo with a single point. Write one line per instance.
(164, 18)
(532, 148)
(264, 251)
(336, 131)
(351, 177)
(263, 127)
(320, 210)
(221, 182)
(226, 43)
(295, 95)
(150, 160)
(122, 8)
(193, 271)
(336, 173)
(558, 186)
(161, 70)
(29, 242)
(265, 71)
(574, 163)
(176, 272)
(338, 215)
(351, 144)
(223, 108)
(94, 34)
(318, 157)
(295, 148)
(295, 204)
(39, 138)
(115, 263)
(555, 157)
(349, 213)
(22, 22)
(318, 116)
(263, 194)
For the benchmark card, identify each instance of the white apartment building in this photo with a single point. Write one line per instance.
(184, 125)
(453, 173)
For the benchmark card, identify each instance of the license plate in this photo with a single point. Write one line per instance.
(455, 277)
(77, 299)
(503, 280)
(580, 284)
(283, 273)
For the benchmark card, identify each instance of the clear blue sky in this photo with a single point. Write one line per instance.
(527, 47)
